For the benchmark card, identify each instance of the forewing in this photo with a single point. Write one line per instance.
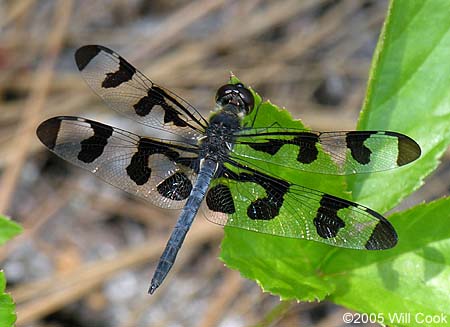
(255, 201)
(128, 91)
(336, 153)
(159, 171)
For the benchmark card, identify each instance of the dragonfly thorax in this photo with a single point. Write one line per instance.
(219, 134)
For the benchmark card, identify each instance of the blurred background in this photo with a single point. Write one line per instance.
(88, 250)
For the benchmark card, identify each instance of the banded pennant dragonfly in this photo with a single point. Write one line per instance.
(221, 164)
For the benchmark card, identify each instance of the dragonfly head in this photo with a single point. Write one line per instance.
(236, 95)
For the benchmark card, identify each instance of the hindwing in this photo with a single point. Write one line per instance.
(255, 201)
(160, 171)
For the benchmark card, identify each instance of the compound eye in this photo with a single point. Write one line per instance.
(246, 96)
(225, 90)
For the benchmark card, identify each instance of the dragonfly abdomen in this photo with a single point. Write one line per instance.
(184, 222)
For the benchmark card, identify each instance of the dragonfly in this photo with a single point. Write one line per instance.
(222, 164)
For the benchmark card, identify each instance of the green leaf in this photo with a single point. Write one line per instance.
(269, 115)
(8, 229)
(413, 277)
(7, 307)
(281, 265)
(408, 92)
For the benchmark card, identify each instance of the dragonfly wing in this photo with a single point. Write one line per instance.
(336, 153)
(128, 91)
(159, 171)
(252, 200)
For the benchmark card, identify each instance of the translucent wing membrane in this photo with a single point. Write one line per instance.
(157, 170)
(128, 91)
(254, 201)
(337, 153)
